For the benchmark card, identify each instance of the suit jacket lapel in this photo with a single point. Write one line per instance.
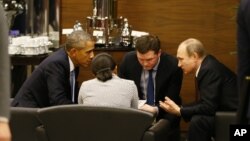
(161, 72)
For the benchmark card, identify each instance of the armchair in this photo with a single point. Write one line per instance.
(79, 123)
(222, 124)
(162, 131)
(23, 123)
(86, 123)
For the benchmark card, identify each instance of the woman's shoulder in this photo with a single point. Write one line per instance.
(125, 81)
(89, 82)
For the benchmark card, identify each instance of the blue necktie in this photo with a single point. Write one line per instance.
(72, 84)
(150, 89)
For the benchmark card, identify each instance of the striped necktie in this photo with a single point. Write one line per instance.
(72, 84)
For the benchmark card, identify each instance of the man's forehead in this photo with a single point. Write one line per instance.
(149, 54)
(181, 53)
(87, 44)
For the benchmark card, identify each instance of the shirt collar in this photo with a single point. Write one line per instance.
(71, 65)
(197, 71)
(157, 64)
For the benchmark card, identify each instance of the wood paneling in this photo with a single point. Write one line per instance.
(211, 21)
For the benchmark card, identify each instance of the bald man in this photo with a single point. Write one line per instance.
(216, 90)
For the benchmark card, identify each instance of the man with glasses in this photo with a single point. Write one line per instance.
(53, 82)
(156, 75)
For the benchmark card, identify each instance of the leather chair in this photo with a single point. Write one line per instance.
(222, 125)
(162, 131)
(80, 123)
(23, 124)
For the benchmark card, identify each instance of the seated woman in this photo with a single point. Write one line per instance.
(107, 89)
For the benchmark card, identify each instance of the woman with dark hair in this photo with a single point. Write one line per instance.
(107, 89)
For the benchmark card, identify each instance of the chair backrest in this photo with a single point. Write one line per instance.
(23, 123)
(80, 123)
(222, 125)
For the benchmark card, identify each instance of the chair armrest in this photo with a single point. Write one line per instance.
(160, 131)
(222, 125)
(41, 133)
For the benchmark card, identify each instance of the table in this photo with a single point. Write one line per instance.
(28, 59)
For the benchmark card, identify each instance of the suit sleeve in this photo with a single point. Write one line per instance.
(58, 84)
(173, 92)
(209, 88)
(5, 66)
(243, 39)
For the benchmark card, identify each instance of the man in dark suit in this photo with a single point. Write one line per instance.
(243, 49)
(5, 134)
(167, 76)
(216, 90)
(51, 82)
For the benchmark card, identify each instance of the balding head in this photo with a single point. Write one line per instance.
(192, 46)
(190, 54)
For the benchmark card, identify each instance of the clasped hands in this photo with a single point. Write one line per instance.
(170, 106)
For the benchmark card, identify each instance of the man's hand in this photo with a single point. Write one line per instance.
(5, 134)
(149, 108)
(170, 106)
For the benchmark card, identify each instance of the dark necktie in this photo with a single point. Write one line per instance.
(72, 84)
(150, 89)
(197, 91)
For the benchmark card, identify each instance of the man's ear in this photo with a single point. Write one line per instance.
(195, 55)
(72, 52)
(159, 53)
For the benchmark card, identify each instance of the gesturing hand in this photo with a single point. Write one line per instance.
(170, 106)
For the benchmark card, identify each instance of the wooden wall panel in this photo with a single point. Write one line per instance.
(211, 21)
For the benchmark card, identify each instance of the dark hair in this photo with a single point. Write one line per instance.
(102, 66)
(146, 43)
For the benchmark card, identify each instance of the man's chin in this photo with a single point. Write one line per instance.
(85, 65)
(188, 72)
(147, 69)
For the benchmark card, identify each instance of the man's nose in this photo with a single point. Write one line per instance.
(145, 63)
(179, 64)
(92, 54)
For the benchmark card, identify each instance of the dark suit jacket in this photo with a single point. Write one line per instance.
(48, 85)
(243, 38)
(168, 79)
(243, 50)
(217, 87)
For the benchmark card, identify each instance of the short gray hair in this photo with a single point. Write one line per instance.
(194, 45)
(74, 39)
